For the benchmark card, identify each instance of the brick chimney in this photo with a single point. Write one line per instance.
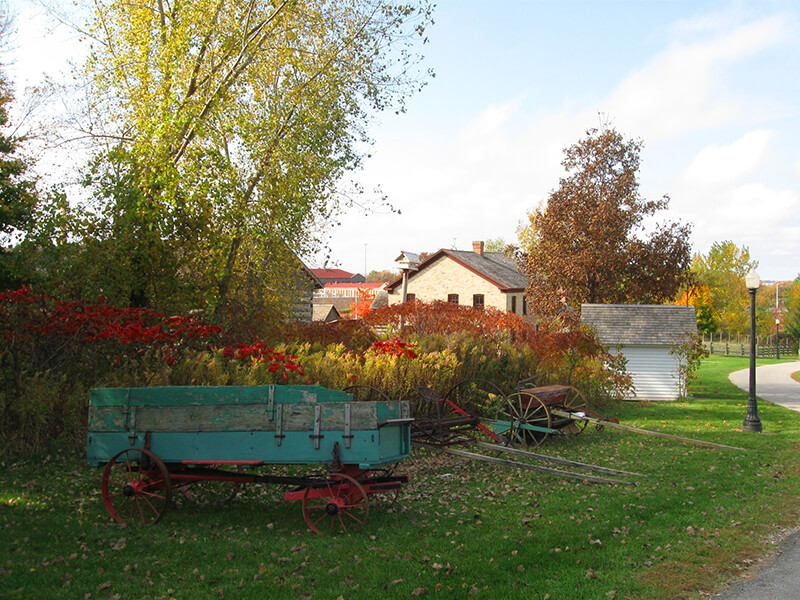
(477, 247)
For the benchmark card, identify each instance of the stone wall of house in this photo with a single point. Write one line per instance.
(445, 277)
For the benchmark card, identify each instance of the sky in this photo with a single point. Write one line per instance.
(710, 87)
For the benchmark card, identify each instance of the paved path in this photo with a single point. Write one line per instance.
(773, 383)
(779, 577)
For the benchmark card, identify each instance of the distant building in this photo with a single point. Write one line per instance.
(344, 295)
(337, 276)
(326, 313)
(476, 278)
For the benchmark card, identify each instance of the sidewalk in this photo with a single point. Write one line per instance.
(773, 383)
(779, 577)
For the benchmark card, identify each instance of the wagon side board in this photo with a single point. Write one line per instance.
(267, 424)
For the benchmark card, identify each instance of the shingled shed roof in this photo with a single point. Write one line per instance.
(640, 324)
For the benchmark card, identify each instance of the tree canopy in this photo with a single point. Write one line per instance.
(720, 274)
(18, 196)
(588, 243)
(224, 127)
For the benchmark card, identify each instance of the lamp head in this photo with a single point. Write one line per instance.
(752, 280)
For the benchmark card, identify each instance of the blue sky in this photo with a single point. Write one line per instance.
(712, 89)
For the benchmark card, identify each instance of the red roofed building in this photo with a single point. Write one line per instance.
(326, 276)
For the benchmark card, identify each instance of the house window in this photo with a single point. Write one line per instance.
(524, 306)
(477, 300)
(514, 304)
(411, 297)
(452, 298)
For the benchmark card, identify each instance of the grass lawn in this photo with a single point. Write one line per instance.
(460, 530)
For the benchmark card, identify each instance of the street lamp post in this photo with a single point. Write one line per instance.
(751, 421)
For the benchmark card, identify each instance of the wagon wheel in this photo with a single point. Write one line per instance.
(363, 393)
(386, 500)
(478, 397)
(212, 493)
(341, 500)
(524, 408)
(136, 487)
(575, 402)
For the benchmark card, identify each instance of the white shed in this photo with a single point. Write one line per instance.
(646, 335)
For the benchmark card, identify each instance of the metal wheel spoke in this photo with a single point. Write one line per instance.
(146, 487)
(344, 495)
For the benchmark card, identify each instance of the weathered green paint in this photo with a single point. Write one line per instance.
(230, 417)
(504, 426)
(183, 395)
(272, 424)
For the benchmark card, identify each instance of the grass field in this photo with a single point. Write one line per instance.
(460, 530)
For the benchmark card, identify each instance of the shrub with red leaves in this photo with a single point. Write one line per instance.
(260, 352)
(393, 347)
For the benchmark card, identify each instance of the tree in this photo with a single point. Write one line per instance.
(383, 276)
(17, 193)
(229, 126)
(584, 245)
(722, 271)
(497, 244)
(792, 320)
(700, 297)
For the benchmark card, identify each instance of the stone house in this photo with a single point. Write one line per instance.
(477, 278)
(647, 335)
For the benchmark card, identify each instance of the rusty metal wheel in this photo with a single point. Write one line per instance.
(366, 393)
(576, 403)
(339, 504)
(478, 397)
(522, 413)
(136, 487)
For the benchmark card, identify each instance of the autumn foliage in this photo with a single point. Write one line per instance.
(588, 243)
(52, 351)
(55, 350)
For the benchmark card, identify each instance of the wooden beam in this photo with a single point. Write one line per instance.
(668, 436)
(529, 467)
(556, 460)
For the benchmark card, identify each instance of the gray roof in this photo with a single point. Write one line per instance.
(496, 266)
(325, 312)
(640, 324)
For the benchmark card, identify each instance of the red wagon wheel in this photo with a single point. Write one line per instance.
(521, 409)
(341, 500)
(136, 487)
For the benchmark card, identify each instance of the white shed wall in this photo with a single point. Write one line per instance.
(655, 372)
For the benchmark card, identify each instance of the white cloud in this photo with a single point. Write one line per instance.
(674, 93)
(717, 164)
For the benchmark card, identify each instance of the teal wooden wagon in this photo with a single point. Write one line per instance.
(158, 441)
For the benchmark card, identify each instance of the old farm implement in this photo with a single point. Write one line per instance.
(522, 420)
(160, 441)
